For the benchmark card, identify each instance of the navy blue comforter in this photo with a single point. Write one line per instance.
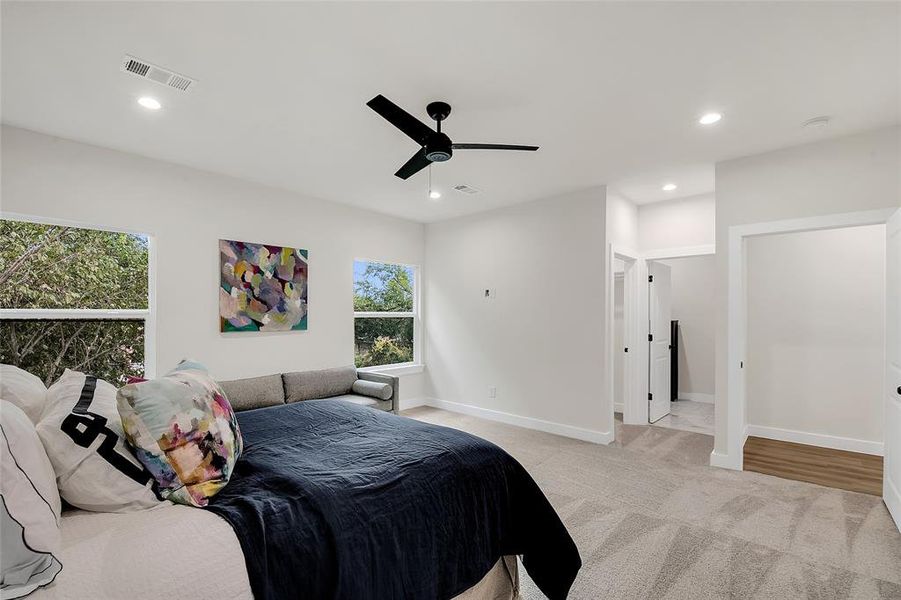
(333, 500)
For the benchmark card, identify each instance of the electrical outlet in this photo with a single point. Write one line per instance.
(492, 392)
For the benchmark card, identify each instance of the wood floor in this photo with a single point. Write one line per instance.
(833, 468)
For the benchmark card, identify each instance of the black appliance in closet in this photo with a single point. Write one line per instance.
(674, 360)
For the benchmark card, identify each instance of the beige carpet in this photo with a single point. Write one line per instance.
(652, 520)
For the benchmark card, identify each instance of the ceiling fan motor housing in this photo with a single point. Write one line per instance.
(438, 148)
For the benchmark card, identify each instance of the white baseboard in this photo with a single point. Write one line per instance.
(697, 397)
(570, 431)
(618, 407)
(725, 461)
(817, 439)
(413, 403)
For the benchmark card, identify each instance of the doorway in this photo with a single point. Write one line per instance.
(735, 416)
(623, 350)
(681, 343)
(814, 358)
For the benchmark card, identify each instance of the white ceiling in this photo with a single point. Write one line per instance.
(647, 187)
(610, 91)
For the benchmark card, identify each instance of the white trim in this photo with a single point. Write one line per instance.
(383, 315)
(724, 461)
(736, 329)
(73, 313)
(816, 439)
(618, 407)
(682, 252)
(697, 397)
(570, 431)
(836, 221)
(14, 216)
(150, 323)
(398, 370)
(413, 403)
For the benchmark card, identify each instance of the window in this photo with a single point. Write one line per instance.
(386, 319)
(74, 298)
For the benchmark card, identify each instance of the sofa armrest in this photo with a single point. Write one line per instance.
(394, 382)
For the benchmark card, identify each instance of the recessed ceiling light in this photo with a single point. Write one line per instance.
(816, 122)
(434, 194)
(668, 187)
(710, 118)
(149, 103)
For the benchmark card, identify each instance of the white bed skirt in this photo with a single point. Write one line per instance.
(179, 551)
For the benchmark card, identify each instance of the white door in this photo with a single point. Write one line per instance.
(659, 314)
(891, 477)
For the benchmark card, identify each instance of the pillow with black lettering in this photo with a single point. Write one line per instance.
(82, 434)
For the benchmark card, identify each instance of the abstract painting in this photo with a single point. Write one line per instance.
(262, 287)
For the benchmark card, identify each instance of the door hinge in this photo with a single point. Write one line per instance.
(650, 337)
(650, 396)
(650, 279)
(741, 365)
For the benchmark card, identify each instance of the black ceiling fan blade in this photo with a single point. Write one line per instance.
(413, 127)
(417, 162)
(493, 147)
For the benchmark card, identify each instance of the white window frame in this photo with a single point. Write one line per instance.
(416, 365)
(148, 314)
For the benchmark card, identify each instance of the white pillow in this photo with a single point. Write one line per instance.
(29, 507)
(83, 436)
(24, 390)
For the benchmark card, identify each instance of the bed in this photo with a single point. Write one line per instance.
(176, 549)
(333, 500)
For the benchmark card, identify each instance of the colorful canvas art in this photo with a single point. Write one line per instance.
(262, 287)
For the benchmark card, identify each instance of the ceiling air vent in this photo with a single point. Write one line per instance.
(466, 189)
(146, 70)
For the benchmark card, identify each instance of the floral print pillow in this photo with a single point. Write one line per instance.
(184, 432)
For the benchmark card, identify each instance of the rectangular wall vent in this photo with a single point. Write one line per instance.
(466, 189)
(167, 77)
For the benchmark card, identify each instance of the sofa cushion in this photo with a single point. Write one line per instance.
(254, 392)
(373, 389)
(309, 385)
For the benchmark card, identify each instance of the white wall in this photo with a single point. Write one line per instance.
(694, 305)
(847, 174)
(187, 211)
(816, 332)
(540, 342)
(622, 222)
(677, 223)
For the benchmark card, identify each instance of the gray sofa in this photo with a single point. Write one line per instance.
(375, 390)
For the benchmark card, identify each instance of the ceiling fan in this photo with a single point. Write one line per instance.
(436, 146)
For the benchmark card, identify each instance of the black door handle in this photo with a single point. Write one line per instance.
(899, 390)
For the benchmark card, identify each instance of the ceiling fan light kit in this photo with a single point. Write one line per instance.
(435, 146)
